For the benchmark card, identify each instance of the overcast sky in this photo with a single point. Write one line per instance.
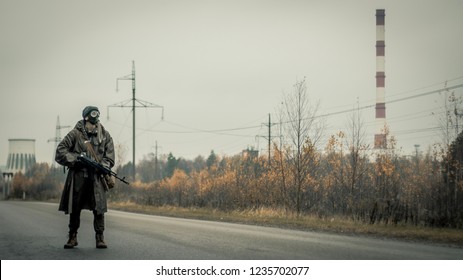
(220, 65)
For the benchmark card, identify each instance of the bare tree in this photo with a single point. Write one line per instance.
(303, 131)
(357, 156)
(121, 153)
(447, 120)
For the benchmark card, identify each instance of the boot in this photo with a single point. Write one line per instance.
(100, 244)
(72, 241)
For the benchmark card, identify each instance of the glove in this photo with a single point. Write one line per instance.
(72, 159)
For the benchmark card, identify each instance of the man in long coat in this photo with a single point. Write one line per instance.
(84, 187)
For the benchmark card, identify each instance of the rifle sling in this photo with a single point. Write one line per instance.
(92, 151)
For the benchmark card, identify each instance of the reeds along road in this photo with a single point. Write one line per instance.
(34, 230)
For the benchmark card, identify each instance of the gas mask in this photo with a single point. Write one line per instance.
(93, 117)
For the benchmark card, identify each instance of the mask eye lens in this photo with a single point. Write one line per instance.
(94, 114)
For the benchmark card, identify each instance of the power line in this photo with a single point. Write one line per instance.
(192, 130)
(392, 101)
(231, 131)
(426, 93)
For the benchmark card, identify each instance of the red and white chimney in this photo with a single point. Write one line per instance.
(380, 136)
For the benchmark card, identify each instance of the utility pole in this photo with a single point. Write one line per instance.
(57, 138)
(157, 173)
(416, 150)
(136, 103)
(269, 137)
(417, 146)
(454, 99)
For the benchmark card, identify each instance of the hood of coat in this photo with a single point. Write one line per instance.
(80, 126)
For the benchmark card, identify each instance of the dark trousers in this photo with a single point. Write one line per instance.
(74, 222)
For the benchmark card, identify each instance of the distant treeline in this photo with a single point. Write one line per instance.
(418, 190)
(387, 188)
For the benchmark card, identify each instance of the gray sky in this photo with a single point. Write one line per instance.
(217, 65)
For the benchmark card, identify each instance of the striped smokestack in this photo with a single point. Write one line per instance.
(380, 136)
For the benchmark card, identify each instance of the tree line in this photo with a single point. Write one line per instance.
(386, 188)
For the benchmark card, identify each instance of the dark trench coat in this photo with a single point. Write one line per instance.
(67, 151)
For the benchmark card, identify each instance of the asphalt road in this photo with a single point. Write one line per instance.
(35, 230)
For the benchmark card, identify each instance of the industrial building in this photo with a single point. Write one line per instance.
(21, 157)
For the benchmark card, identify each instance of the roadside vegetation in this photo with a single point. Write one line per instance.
(277, 218)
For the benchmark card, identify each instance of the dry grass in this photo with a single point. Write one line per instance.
(278, 218)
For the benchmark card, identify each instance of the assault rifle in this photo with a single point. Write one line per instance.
(83, 158)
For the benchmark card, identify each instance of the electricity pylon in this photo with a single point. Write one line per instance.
(57, 138)
(136, 103)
